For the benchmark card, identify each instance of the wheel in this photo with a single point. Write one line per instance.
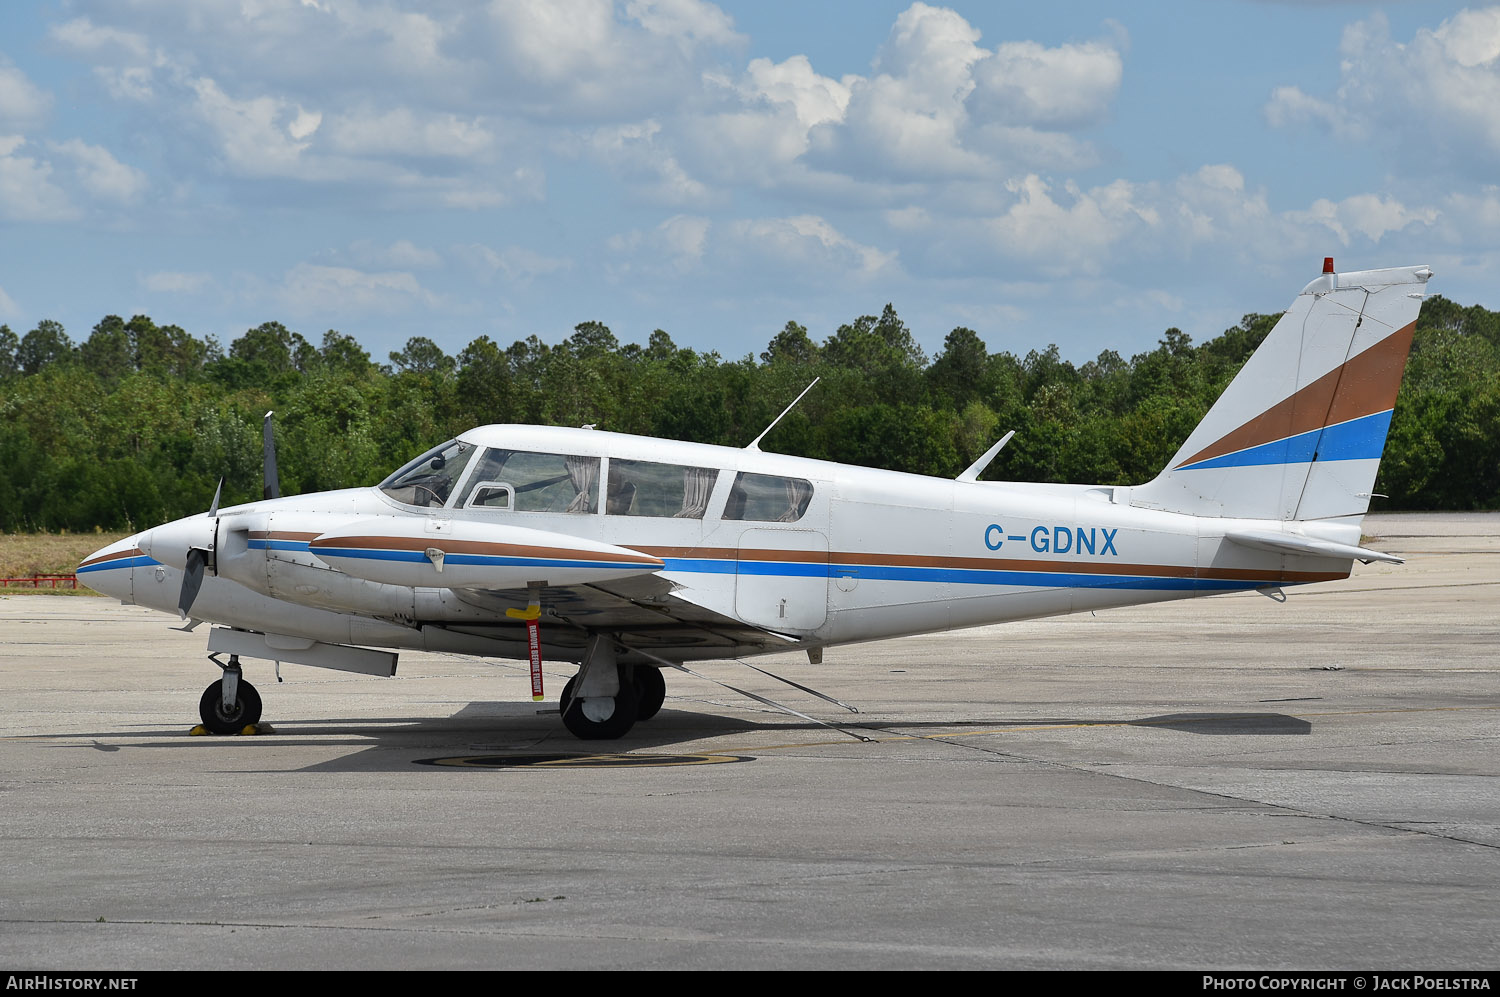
(650, 691)
(217, 719)
(617, 724)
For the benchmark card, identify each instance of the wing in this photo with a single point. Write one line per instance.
(649, 611)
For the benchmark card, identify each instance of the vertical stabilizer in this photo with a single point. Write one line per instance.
(1299, 432)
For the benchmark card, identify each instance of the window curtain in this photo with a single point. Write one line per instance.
(798, 492)
(697, 484)
(583, 472)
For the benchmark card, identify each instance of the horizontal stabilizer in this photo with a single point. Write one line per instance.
(1291, 543)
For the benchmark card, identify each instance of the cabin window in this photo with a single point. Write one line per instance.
(522, 481)
(768, 498)
(429, 480)
(645, 488)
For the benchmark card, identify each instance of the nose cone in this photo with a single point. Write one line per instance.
(171, 542)
(110, 569)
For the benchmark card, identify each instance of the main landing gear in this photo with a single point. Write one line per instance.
(605, 699)
(230, 704)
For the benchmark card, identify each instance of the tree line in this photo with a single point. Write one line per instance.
(136, 423)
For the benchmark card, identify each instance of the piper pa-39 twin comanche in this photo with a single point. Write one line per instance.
(627, 555)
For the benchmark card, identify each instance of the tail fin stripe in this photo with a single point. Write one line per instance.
(1370, 381)
(1357, 439)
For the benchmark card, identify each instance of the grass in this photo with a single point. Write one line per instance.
(26, 554)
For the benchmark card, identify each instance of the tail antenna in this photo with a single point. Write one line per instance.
(755, 443)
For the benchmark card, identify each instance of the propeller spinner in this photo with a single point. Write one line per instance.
(187, 544)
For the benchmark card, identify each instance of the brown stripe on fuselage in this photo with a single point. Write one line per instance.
(450, 546)
(1363, 385)
(283, 535)
(117, 555)
(730, 554)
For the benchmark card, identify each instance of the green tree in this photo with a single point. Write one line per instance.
(422, 356)
(43, 346)
(10, 346)
(484, 382)
(791, 345)
(343, 353)
(957, 375)
(108, 353)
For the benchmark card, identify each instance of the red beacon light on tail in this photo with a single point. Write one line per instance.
(1328, 264)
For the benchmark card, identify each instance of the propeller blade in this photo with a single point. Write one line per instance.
(192, 580)
(213, 510)
(272, 487)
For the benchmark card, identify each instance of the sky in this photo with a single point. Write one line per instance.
(1079, 173)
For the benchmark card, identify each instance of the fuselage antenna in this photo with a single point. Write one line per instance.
(755, 443)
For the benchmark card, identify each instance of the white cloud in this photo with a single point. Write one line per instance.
(1212, 204)
(1071, 234)
(85, 37)
(514, 263)
(808, 246)
(176, 282)
(1025, 83)
(301, 92)
(311, 288)
(1059, 229)
(939, 105)
(677, 245)
(255, 135)
(908, 117)
(22, 103)
(304, 124)
(404, 132)
(124, 61)
(1473, 216)
(8, 309)
(637, 152)
(401, 254)
(1291, 106)
(27, 192)
(1368, 215)
(814, 99)
(127, 83)
(1024, 147)
(580, 59)
(692, 21)
(1434, 101)
(100, 173)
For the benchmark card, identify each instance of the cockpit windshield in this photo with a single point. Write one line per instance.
(429, 480)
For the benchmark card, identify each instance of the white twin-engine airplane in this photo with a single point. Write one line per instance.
(627, 554)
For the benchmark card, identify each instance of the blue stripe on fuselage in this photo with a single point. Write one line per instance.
(278, 545)
(141, 561)
(962, 576)
(820, 569)
(486, 560)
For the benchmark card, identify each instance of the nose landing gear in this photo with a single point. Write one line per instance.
(231, 704)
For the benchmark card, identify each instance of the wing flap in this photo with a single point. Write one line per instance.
(649, 611)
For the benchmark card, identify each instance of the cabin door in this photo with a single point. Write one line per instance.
(781, 579)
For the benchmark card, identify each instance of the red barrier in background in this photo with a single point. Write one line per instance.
(38, 581)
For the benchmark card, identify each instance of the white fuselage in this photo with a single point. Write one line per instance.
(872, 554)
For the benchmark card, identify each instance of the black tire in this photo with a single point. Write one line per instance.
(616, 725)
(650, 691)
(218, 720)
